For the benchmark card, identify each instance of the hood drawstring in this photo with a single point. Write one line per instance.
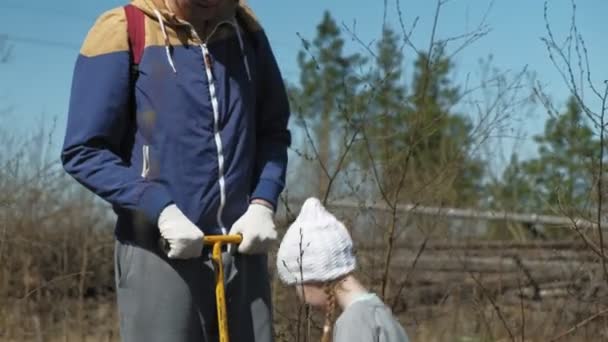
(237, 28)
(240, 38)
(233, 23)
(167, 49)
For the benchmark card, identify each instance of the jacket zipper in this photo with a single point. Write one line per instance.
(208, 61)
(216, 132)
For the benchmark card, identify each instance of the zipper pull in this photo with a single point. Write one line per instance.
(208, 60)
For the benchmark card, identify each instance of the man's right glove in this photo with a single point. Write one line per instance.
(184, 238)
(257, 228)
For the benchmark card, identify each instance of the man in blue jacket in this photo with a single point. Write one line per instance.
(195, 144)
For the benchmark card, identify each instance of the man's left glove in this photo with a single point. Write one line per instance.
(257, 228)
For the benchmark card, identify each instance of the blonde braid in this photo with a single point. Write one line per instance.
(330, 291)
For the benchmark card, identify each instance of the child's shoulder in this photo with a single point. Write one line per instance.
(370, 314)
(365, 303)
(363, 310)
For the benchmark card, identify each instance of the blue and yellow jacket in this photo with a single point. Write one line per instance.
(209, 127)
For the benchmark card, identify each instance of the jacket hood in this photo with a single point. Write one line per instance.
(228, 11)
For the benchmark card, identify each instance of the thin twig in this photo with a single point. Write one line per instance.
(531, 281)
(579, 325)
(406, 35)
(348, 146)
(50, 282)
(432, 43)
(523, 311)
(314, 148)
(391, 232)
(600, 195)
(81, 283)
(568, 75)
(407, 275)
(494, 305)
(339, 166)
(302, 293)
(577, 90)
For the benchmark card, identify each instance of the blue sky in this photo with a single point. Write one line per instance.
(46, 36)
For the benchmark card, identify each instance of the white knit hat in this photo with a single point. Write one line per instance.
(316, 247)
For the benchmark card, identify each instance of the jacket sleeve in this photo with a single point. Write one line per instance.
(273, 135)
(99, 122)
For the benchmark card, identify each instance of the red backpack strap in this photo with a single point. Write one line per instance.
(136, 28)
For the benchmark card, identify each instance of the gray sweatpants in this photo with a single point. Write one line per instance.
(174, 300)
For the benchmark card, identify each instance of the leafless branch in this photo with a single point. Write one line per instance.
(405, 33)
(561, 57)
(522, 310)
(51, 282)
(391, 233)
(311, 141)
(496, 307)
(407, 275)
(580, 325)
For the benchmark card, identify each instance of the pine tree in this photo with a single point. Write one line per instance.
(327, 85)
(560, 178)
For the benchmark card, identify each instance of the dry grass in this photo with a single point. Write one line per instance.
(56, 276)
(466, 322)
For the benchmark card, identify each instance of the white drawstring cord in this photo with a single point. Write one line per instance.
(233, 23)
(240, 38)
(167, 50)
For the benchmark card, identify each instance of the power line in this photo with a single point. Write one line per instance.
(38, 41)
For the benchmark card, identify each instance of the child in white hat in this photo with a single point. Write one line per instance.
(316, 255)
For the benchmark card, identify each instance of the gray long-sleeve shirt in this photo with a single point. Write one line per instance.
(368, 320)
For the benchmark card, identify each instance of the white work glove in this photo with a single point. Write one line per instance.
(184, 238)
(257, 228)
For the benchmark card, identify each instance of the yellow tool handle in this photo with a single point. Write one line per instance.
(223, 239)
(220, 295)
(207, 240)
